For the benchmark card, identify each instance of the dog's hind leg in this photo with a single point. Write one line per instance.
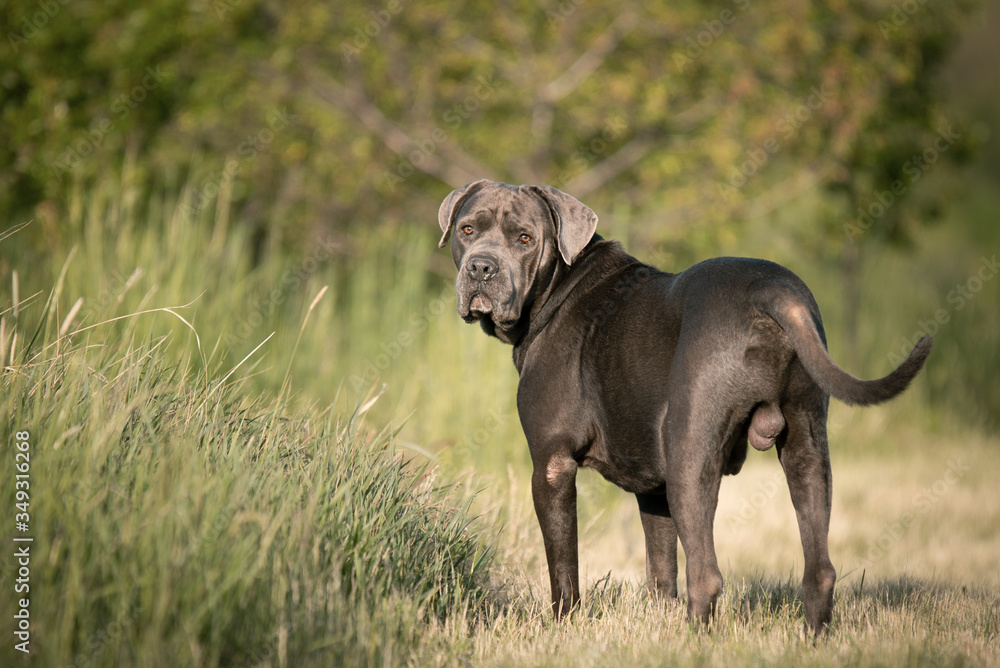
(805, 457)
(661, 544)
(694, 472)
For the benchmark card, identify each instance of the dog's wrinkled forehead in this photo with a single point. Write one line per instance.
(501, 202)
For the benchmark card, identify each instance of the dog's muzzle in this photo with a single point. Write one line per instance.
(479, 269)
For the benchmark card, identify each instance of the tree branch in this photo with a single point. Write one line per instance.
(477, 48)
(790, 188)
(638, 147)
(543, 109)
(700, 112)
(586, 64)
(624, 158)
(459, 169)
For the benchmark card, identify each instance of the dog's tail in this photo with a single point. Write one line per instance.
(795, 318)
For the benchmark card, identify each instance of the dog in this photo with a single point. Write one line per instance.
(658, 381)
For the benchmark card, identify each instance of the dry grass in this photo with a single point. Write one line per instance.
(915, 546)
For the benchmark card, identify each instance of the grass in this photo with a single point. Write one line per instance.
(893, 623)
(179, 518)
(926, 595)
(271, 474)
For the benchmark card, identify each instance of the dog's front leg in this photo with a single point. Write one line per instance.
(553, 489)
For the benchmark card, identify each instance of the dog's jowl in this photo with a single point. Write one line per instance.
(656, 380)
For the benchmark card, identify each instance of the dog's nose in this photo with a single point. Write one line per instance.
(481, 268)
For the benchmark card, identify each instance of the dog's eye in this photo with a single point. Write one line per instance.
(466, 230)
(524, 238)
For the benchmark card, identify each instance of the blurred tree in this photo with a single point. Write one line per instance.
(312, 116)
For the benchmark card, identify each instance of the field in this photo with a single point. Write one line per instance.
(311, 460)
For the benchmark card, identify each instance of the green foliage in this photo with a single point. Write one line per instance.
(313, 118)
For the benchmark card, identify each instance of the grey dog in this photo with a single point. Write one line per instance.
(655, 380)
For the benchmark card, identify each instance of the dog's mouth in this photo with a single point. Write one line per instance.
(481, 307)
(475, 308)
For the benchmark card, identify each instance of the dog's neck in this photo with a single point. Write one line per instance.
(598, 259)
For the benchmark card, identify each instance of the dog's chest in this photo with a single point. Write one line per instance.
(630, 469)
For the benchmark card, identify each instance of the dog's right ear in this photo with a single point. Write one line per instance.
(451, 206)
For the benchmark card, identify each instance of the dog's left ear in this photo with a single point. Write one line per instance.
(451, 206)
(575, 221)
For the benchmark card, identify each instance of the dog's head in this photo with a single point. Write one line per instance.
(508, 242)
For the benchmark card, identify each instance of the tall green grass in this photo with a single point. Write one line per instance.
(182, 516)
